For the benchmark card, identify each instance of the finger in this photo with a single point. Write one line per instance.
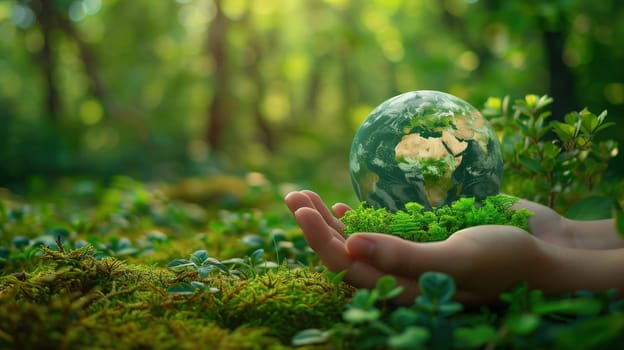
(400, 257)
(393, 256)
(340, 209)
(296, 200)
(318, 203)
(325, 241)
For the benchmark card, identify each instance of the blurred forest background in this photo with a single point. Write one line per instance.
(160, 90)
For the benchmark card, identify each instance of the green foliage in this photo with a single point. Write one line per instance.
(415, 223)
(92, 272)
(118, 86)
(555, 172)
(582, 320)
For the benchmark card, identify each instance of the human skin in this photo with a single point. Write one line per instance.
(560, 255)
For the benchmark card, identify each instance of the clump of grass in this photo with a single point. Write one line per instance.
(420, 225)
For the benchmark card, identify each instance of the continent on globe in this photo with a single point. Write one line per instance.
(427, 147)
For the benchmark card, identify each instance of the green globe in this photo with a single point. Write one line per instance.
(427, 147)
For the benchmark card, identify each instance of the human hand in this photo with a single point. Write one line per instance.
(483, 260)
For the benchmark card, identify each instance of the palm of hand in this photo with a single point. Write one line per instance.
(483, 260)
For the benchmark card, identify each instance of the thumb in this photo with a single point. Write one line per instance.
(397, 256)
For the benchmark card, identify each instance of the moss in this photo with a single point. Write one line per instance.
(284, 301)
(73, 300)
(417, 224)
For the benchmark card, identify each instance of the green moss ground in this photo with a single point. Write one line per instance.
(92, 273)
(128, 266)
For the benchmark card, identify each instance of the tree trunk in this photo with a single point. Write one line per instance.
(220, 107)
(562, 83)
(45, 12)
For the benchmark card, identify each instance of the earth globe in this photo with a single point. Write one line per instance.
(424, 146)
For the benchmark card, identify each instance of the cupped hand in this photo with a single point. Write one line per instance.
(483, 260)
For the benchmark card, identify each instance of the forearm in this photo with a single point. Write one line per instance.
(595, 234)
(569, 269)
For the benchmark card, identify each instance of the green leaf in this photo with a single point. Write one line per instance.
(564, 131)
(216, 263)
(531, 163)
(256, 255)
(473, 337)
(618, 213)
(178, 263)
(403, 317)
(357, 315)
(199, 256)
(412, 337)
(387, 288)
(591, 208)
(364, 299)
(449, 307)
(522, 324)
(437, 286)
(335, 277)
(309, 337)
(569, 306)
(185, 288)
(596, 333)
(204, 270)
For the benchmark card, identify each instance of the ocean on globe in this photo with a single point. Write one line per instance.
(427, 147)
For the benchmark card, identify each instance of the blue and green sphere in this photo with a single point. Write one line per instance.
(427, 147)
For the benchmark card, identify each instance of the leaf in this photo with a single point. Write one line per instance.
(256, 255)
(204, 270)
(335, 277)
(126, 251)
(474, 337)
(357, 315)
(412, 337)
(437, 286)
(362, 299)
(309, 337)
(403, 317)
(199, 256)
(387, 288)
(569, 306)
(253, 240)
(178, 263)
(185, 288)
(591, 208)
(531, 100)
(596, 333)
(531, 163)
(216, 263)
(564, 131)
(604, 126)
(618, 213)
(234, 261)
(448, 308)
(522, 324)
(268, 265)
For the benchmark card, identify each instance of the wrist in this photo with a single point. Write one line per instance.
(563, 270)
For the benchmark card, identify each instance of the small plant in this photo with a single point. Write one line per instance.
(417, 224)
(201, 263)
(581, 320)
(552, 160)
(368, 324)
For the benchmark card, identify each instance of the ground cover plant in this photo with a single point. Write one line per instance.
(131, 265)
